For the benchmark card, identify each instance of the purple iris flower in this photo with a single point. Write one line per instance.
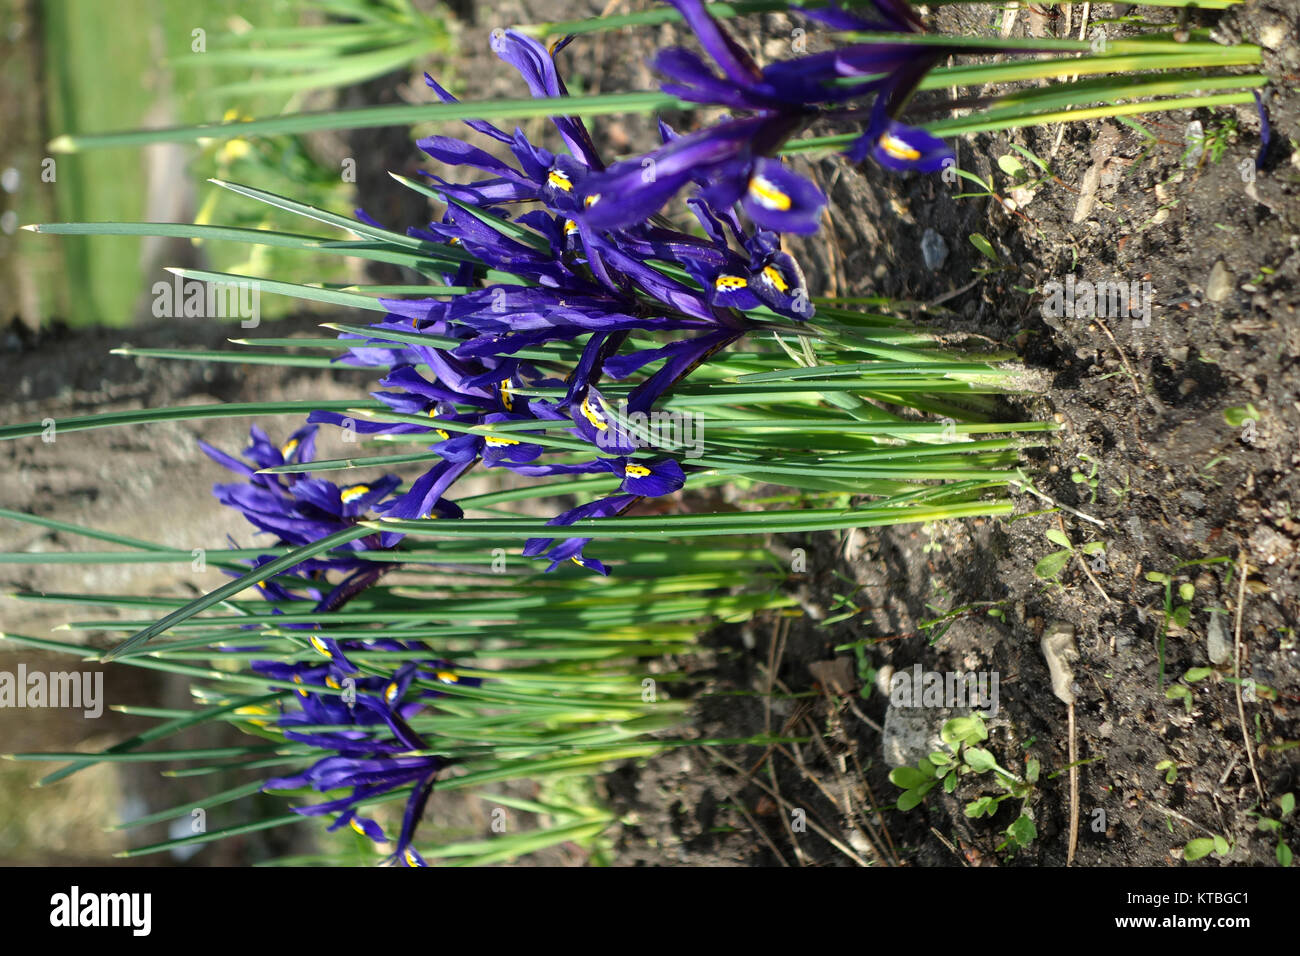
(541, 175)
(645, 478)
(376, 753)
(369, 777)
(571, 549)
(300, 510)
(733, 161)
(731, 157)
(299, 448)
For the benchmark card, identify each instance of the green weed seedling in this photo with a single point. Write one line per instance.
(1050, 567)
(1184, 693)
(1245, 417)
(1179, 614)
(986, 249)
(843, 603)
(1091, 479)
(1211, 144)
(1020, 175)
(1150, 142)
(1204, 846)
(866, 671)
(988, 190)
(1269, 825)
(962, 735)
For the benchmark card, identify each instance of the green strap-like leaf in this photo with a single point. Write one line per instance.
(268, 570)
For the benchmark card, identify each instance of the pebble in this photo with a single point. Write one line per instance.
(1272, 35)
(884, 679)
(1195, 139)
(1217, 644)
(860, 843)
(934, 250)
(910, 733)
(1219, 286)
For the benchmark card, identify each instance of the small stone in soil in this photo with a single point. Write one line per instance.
(1217, 644)
(1195, 139)
(1219, 286)
(934, 250)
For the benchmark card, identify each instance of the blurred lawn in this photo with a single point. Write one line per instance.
(106, 68)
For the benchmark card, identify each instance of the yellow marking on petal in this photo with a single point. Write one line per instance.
(773, 275)
(288, 448)
(493, 440)
(577, 560)
(505, 391)
(570, 227)
(768, 195)
(560, 180)
(447, 676)
(897, 148)
(358, 827)
(390, 692)
(331, 682)
(297, 679)
(730, 283)
(317, 643)
(636, 471)
(589, 412)
(353, 493)
(433, 413)
(591, 200)
(411, 859)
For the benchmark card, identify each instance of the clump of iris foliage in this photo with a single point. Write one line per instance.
(380, 642)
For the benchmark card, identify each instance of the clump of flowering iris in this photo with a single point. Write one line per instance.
(472, 389)
(380, 754)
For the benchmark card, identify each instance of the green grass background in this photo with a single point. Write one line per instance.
(103, 72)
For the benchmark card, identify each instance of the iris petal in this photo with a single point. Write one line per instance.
(781, 200)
